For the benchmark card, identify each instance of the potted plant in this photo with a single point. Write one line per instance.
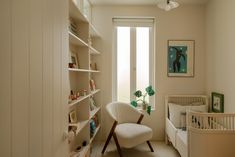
(142, 98)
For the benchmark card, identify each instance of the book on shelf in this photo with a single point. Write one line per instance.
(73, 27)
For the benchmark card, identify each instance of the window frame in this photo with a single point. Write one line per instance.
(133, 23)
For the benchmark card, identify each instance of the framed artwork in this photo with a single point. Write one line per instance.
(74, 60)
(217, 102)
(180, 58)
(73, 117)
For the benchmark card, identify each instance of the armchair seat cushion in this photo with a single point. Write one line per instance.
(131, 134)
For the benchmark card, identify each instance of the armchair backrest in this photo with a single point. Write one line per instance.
(123, 112)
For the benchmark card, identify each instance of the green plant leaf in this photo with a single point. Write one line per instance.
(138, 93)
(134, 103)
(150, 90)
(149, 109)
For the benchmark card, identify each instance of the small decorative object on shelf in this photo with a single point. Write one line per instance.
(73, 117)
(92, 85)
(71, 65)
(78, 95)
(74, 61)
(93, 66)
(96, 120)
(92, 103)
(73, 96)
(145, 105)
(92, 127)
(83, 92)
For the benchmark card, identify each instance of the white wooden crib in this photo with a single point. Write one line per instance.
(207, 135)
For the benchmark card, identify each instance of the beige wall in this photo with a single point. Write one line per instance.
(220, 58)
(33, 89)
(185, 22)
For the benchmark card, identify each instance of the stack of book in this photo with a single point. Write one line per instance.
(73, 27)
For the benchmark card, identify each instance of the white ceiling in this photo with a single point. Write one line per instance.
(141, 2)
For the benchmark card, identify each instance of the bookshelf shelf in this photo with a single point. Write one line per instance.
(79, 70)
(93, 51)
(83, 70)
(74, 39)
(95, 91)
(83, 40)
(96, 131)
(80, 125)
(94, 112)
(81, 98)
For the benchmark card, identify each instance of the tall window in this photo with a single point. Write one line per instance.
(133, 57)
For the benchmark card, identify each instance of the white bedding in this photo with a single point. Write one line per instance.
(183, 136)
(176, 108)
(181, 142)
(208, 134)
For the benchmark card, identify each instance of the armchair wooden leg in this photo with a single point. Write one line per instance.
(110, 136)
(117, 144)
(151, 148)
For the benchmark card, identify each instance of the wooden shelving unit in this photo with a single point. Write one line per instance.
(84, 42)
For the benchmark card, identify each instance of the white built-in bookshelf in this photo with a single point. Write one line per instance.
(84, 79)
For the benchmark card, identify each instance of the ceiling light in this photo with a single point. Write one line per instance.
(167, 5)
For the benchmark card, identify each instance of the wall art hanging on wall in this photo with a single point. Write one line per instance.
(217, 102)
(180, 58)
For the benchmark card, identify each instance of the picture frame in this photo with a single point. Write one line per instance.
(180, 58)
(73, 117)
(74, 60)
(217, 102)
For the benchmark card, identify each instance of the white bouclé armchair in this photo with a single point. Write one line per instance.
(127, 130)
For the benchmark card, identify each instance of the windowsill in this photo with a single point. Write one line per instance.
(140, 109)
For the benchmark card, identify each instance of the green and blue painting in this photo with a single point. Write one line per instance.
(177, 59)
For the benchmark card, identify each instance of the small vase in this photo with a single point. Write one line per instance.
(144, 106)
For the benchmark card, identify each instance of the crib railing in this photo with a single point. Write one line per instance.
(186, 99)
(211, 121)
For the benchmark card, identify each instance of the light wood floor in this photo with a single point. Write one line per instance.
(160, 150)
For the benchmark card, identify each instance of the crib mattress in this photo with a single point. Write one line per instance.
(181, 143)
